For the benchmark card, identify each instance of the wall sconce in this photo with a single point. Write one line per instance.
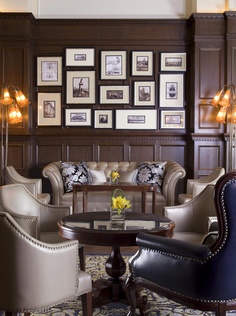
(10, 114)
(225, 100)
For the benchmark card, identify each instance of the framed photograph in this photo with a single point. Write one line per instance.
(103, 119)
(142, 63)
(144, 93)
(113, 65)
(80, 57)
(173, 61)
(102, 225)
(80, 87)
(78, 117)
(172, 119)
(49, 109)
(49, 71)
(171, 90)
(114, 94)
(136, 119)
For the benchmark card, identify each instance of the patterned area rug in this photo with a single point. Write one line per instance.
(158, 305)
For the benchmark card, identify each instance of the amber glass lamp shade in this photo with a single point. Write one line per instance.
(221, 115)
(21, 99)
(14, 114)
(5, 98)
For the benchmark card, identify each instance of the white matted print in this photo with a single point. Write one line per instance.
(171, 90)
(49, 71)
(113, 65)
(78, 117)
(114, 94)
(172, 119)
(144, 93)
(142, 63)
(136, 119)
(103, 119)
(80, 56)
(173, 61)
(80, 87)
(49, 109)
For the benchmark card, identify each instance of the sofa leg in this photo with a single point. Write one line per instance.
(87, 304)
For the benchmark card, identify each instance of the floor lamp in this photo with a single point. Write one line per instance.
(225, 101)
(10, 114)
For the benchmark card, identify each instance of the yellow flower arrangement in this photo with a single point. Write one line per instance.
(114, 175)
(119, 202)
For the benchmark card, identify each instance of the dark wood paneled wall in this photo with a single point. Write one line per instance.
(209, 41)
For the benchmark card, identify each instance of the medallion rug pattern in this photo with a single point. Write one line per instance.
(157, 305)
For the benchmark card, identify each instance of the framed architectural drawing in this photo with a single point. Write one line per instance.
(78, 117)
(49, 71)
(80, 87)
(173, 61)
(142, 63)
(49, 109)
(171, 90)
(144, 93)
(114, 94)
(136, 119)
(113, 65)
(80, 56)
(172, 119)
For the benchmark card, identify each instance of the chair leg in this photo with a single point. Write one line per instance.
(82, 258)
(221, 310)
(131, 295)
(87, 304)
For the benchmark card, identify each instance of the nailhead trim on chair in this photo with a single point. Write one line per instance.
(34, 241)
(189, 258)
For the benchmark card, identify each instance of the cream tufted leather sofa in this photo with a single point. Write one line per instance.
(100, 201)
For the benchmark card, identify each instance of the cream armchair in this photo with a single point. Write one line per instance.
(17, 200)
(36, 276)
(192, 219)
(33, 185)
(195, 186)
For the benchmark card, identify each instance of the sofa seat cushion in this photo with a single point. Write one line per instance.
(74, 173)
(152, 173)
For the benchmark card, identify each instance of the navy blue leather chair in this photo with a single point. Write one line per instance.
(196, 275)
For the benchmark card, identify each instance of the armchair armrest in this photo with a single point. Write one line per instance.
(173, 173)
(172, 246)
(52, 172)
(30, 224)
(50, 215)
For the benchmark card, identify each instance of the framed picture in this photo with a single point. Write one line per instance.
(49, 71)
(172, 119)
(171, 90)
(49, 109)
(113, 65)
(80, 87)
(136, 119)
(114, 94)
(80, 56)
(103, 119)
(142, 63)
(78, 117)
(144, 93)
(173, 61)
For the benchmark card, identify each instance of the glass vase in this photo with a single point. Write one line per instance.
(117, 218)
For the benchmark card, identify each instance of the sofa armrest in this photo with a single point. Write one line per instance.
(173, 172)
(52, 172)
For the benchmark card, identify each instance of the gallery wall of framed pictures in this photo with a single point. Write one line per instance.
(124, 90)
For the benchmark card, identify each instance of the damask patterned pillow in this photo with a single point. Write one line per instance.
(152, 173)
(74, 173)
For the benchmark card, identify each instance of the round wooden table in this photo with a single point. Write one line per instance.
(94, 228)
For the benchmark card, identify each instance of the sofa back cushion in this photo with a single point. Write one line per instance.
(74, 173)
